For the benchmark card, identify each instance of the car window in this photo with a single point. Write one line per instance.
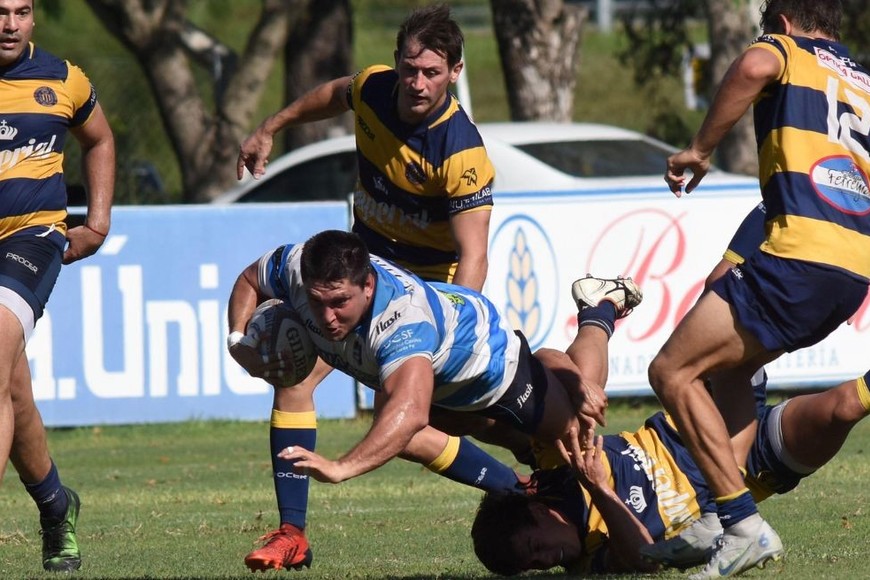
(327, 178)
(619, 158)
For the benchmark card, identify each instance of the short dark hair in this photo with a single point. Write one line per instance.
(334, 255)
(434, 28)
(823, 16)
(500, 516)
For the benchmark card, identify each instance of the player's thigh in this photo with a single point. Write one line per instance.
(708, 338)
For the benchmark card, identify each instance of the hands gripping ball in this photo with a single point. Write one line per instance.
(280, 332)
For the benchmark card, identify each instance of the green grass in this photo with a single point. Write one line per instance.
(187, 500)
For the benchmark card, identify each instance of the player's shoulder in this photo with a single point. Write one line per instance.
(39, 64)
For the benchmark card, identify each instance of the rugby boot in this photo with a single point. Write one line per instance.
(692, 547)
(738, 551)
(60, 549)
(622, 292)
(286, 547)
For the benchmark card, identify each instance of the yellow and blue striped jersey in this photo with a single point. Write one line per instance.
(650, 470)
(41, 97)
(812, 128)
(413, 178)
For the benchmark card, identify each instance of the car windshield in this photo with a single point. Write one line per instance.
(617, 158)
(327, 178)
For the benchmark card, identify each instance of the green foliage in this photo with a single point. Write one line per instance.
(188, 500)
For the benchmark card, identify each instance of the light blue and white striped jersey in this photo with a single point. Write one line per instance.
(473, 351)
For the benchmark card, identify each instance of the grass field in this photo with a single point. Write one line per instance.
(187, 501)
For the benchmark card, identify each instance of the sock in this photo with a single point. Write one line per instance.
(49, 497)
(736, 507)
(603, 316)
(291, 489)
(864, 392)
(464, 462)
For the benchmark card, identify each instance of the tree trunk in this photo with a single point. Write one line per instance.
(538, 44)
(206, 142)
(319, 49)
(730, 31)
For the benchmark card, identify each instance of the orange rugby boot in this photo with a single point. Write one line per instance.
(286, 547)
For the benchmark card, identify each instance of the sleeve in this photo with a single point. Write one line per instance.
(355, 89)
(278, 272)
(775, 44)
(82, 95)
(468, 174)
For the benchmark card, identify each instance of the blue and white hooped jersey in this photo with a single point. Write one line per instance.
(473, 351)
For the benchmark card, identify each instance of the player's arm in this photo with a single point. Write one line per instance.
(322, 102)
(744, 81)
(471, 235)
(244, 298)
(626, 534)
(98, 169)
(401, 411)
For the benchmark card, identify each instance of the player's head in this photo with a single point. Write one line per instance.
(514, 533)
(337, 274)
(16, 29)
(428, 58)
(807, 15)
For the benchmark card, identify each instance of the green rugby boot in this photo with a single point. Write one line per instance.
(60, 550)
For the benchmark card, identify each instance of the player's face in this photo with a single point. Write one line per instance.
(424, 77)
(16, 28)
(338, 307)
(552, 540)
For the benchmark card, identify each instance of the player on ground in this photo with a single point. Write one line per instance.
(800, 286)
(631, 489)
(41, 98)
(423, 200)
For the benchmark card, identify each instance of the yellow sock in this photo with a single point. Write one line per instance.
(863, 393)
(447, 457)
(730, 496)
(285, 420)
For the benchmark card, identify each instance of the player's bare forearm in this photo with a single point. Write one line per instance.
(471, 236)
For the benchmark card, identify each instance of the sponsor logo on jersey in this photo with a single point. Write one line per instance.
(45, 96)
(470, 176)
(636, 499)
(383, 325)
(414, 173)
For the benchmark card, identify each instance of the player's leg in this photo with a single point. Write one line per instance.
(9, 350)
(293, 423)
(709, 338)
(485, 430)
(814, 427)
(58, 505)
(460, 460)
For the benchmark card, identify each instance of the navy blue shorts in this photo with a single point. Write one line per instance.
(522, 404)
(765, 473)
(29, 267)
(790, 304)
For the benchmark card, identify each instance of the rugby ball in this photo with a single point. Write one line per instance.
(278, 329)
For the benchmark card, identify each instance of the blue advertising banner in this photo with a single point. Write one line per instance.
(137, 332)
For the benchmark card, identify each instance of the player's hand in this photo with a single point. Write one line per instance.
(676, 169)
(269, 367)
(584, 457)
(314, 465)
(254, 154)
(590, 405)
(82, 242)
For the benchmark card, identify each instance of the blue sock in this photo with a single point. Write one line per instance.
(291, 489)
(735, 508)
(465, 462)
(603, 316)
(49, 497)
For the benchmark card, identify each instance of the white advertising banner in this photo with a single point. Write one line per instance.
(541, 243)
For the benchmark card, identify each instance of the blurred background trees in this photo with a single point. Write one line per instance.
(183, 81)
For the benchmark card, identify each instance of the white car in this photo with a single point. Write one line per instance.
(528, 157)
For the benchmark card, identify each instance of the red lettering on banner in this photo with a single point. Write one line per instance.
(651, 264)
